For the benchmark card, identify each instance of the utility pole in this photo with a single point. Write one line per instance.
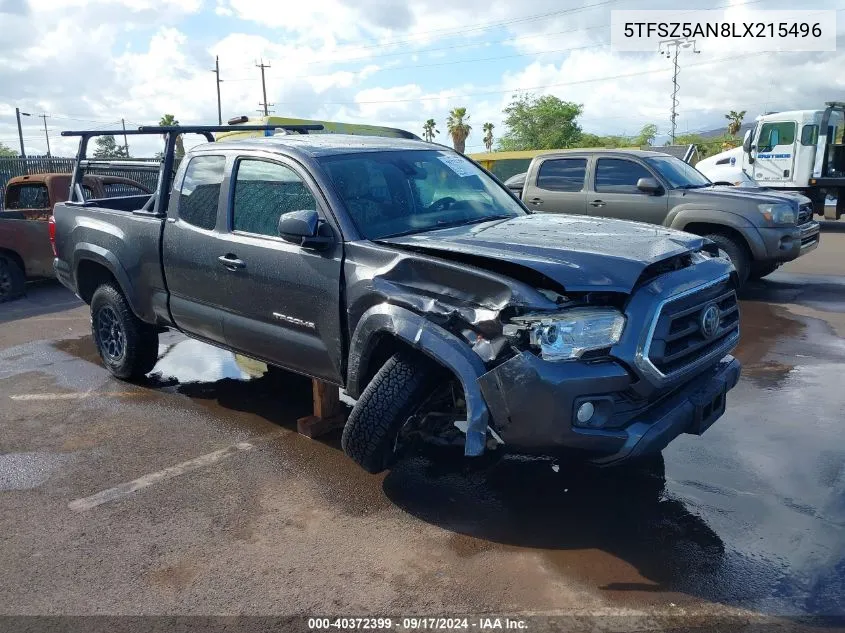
(18, 114)
(46, 135)
(216, 71)
(671, 49)
(265, 105)
(125, 140)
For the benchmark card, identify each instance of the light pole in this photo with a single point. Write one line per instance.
(18, 115)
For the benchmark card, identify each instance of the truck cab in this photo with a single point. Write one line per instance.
(798, 150)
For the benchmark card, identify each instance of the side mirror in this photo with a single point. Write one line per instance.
(305, 228)
(746, 142)
(649, 185)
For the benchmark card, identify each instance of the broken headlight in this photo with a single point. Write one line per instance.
(569, 334)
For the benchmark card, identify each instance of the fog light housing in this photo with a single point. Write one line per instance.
(585, 412)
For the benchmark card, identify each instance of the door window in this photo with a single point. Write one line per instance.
(263, 192)
(562, 174)
(201, 191)
(617, 175)
(773, 134)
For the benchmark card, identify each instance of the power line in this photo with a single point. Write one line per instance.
(335, 54)
(522, 89)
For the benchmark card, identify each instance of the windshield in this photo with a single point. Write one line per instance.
(400, 192)
(677, 173)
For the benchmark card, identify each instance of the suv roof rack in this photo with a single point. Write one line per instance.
(205, 130)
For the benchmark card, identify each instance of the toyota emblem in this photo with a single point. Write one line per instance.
(709, 321)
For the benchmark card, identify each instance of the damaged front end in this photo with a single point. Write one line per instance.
(544, 370)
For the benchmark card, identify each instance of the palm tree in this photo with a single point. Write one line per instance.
(734, 121)
(168, 120)
(458, 128)
(488, 135)
(430, 130)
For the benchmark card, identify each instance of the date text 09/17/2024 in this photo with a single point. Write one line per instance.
(486, 623)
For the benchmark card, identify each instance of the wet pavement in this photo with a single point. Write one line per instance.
(192, 493)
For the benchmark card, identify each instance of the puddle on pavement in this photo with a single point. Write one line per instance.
(24, 471)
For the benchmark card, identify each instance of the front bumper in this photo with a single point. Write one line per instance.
(533, 404)
(787, 243)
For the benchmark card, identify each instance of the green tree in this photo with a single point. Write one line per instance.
(647, 134)
(545, 122)
(7, 152)
(166, 121)
(734, 121)
(488, 135)
(107, 147)
(430, 130)
(458, 128)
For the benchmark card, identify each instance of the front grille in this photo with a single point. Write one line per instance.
(805, 213)
(678, 340)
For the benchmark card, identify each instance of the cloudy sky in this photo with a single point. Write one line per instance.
(89, 63)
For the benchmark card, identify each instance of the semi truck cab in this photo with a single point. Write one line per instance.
(798, 150)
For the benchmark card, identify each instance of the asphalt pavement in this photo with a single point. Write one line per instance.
(191, 493)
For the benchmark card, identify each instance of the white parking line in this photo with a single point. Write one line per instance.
(76, 395)
(51, 396)
(122, 490)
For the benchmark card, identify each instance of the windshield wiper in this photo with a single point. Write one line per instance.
(689, 186)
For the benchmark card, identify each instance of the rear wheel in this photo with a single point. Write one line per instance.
(12, 279)
(127, 345)
(400, 393)
(737, 252)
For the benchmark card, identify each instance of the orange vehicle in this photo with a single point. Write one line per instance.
(25, 251)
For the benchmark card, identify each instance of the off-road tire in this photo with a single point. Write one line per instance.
(737, 252)
(758, 271)
(140, 340)
(12, 280)
(392, 396)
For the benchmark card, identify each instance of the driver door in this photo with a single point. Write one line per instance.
(282, 299)
(775, 153)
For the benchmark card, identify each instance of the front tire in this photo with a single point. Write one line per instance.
(758, 271)
(127, 345)
(403, 383)
(737, 252)
(12, 280)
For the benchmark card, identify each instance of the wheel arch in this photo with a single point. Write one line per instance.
(384, 329)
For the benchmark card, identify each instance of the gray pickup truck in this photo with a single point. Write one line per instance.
(411, 277)
(759, 229)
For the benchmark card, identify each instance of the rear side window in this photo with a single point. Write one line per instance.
(617, 175)
(201, 191)
(28, 196)
(562, 174)
(263, 192)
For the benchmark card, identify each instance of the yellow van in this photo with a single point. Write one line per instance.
(503, 165)
(329, 127)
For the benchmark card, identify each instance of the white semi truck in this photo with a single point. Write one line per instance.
(799, 150)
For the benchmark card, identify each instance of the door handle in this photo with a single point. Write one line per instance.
(231, 261)
(536, 201)
(597, 203)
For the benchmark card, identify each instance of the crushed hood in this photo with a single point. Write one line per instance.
(581, 253)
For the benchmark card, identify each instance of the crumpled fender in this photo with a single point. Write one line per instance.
(437, 343)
